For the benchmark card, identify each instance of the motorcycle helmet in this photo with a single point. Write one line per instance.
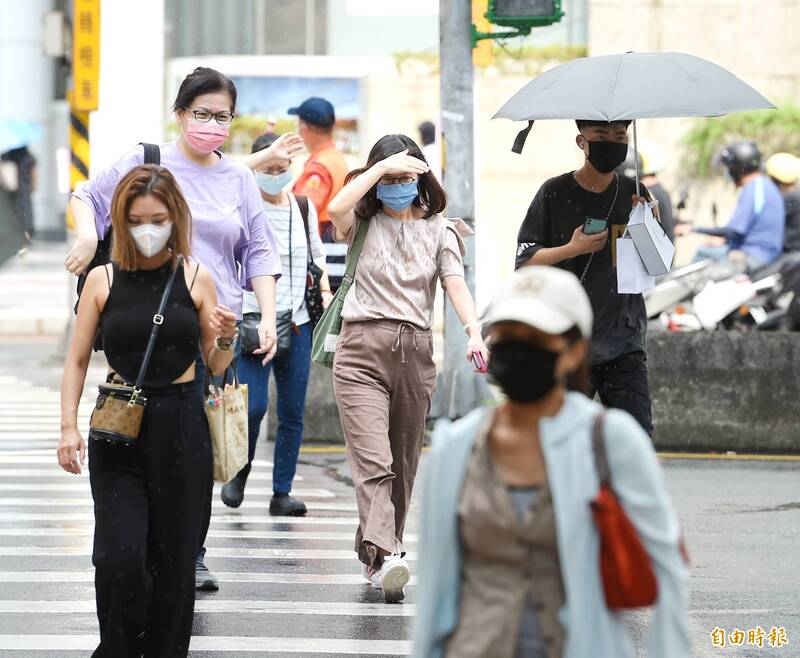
(653, 157)
(784, 168)
(628, 167)
(741, 158)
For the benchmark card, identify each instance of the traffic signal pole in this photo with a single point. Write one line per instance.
(459, 390)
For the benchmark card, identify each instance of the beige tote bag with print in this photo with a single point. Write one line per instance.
(226, 410)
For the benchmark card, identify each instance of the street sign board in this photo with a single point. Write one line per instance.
(86, 54)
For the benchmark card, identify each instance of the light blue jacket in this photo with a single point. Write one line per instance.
(592, 631)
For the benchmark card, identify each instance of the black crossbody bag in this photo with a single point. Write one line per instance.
(248, 329)
(314, 271)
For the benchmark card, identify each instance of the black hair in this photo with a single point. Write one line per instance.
(427, 131)
(431, 196)
(591, 123)
(201, 81)
(578, 380)
(264, 142)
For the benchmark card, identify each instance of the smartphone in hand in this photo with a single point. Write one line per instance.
(479, 363)
(594, 226)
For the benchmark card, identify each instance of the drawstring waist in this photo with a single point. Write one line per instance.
(398, 328)
(398, 339)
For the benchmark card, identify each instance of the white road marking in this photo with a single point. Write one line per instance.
(278, 645)
(238, 606)
(217, 551)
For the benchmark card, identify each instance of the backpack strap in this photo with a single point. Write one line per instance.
(599, 449)
(152, 153)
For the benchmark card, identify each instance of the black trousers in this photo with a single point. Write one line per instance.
(148, 522)
(622, 384)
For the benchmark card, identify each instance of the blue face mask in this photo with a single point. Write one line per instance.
(273, 183)
(397, 196)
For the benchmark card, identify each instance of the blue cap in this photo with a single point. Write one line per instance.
(316, 111)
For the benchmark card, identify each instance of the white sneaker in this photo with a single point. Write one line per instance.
(370, 576)
(393, 576)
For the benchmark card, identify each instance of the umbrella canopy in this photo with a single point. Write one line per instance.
(15, 133)
(632, 86)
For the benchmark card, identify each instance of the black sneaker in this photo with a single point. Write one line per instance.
(233, 492)
(286, 506)
(203, 579)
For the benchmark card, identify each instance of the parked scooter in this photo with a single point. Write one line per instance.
(721, 296)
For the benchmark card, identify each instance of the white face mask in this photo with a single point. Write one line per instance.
(151, 238)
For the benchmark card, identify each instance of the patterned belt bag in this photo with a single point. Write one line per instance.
(118, 412)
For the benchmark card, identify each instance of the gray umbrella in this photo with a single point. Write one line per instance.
(631, 86)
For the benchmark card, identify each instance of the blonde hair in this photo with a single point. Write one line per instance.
(158, 182)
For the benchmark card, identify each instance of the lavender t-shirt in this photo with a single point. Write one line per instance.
(231, 236)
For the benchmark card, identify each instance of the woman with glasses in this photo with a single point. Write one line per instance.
(383, 371)
(230, 236)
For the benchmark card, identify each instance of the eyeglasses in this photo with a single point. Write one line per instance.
(393, 180)
(204, 116)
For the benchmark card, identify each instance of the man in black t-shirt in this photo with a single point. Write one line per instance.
(552, 234)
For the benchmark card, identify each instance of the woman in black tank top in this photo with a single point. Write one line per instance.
(148, 522)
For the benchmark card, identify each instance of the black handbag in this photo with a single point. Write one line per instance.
(314, 272)
(248, 332)
(118, 412)
(102, 255)
(284, 323)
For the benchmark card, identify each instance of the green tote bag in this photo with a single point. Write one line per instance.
(326, 333)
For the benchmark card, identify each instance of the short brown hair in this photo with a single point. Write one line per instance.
(158, 182)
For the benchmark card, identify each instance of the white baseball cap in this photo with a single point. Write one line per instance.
(547, 298)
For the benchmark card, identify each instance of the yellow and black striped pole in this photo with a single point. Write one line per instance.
(79, 151)
(83, 96)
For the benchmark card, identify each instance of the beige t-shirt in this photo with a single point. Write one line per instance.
(399, 265)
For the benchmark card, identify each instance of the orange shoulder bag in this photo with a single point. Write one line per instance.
(625, 567)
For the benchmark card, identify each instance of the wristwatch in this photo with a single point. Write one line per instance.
(224, 344)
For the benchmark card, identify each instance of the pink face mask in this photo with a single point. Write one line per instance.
(206, 137)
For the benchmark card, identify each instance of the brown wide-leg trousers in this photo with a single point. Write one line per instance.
(383, 379)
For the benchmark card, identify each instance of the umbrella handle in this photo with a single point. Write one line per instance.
(636, 156)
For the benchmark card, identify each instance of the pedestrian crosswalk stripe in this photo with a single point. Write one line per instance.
(53, 470)
(83, 487)
(338, 608)
(88, 531)
(223, 576)
(86, 501)
(217, 551)
(19, 517)
(278, 645)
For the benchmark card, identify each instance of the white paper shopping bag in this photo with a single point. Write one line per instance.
(655, 248)
(632, 276)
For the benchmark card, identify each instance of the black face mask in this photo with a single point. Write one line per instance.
(607, 156)
(524, 371)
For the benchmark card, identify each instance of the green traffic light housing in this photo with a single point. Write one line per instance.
(523, 15)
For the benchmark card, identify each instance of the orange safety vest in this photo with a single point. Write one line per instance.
(333, 161)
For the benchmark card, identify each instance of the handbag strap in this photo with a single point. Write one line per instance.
(158, 320)
(355, 251)
(599, 449)
(302, 203)
(291, 272)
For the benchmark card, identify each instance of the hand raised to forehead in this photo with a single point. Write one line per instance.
(403, 163)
